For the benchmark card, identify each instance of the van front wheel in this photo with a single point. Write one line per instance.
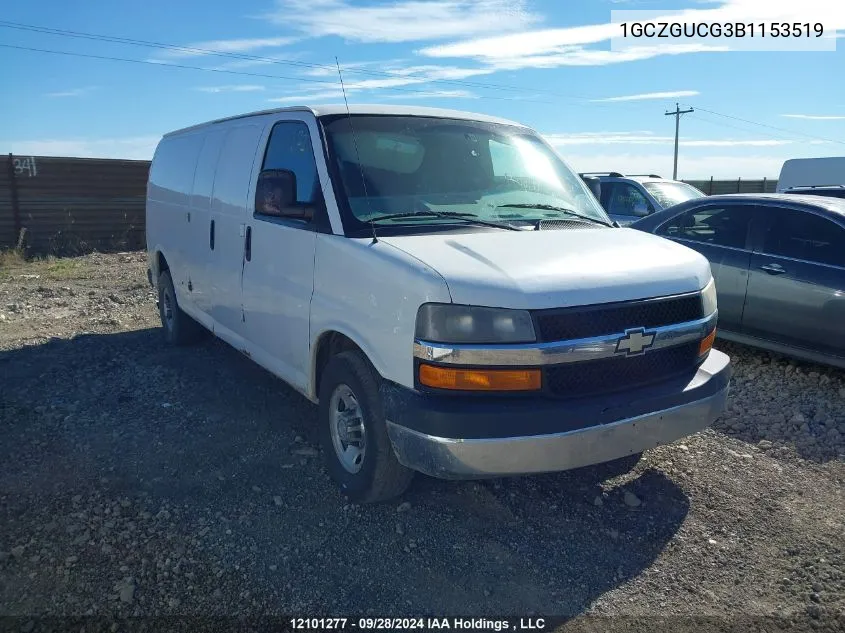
(179, 328)
(353, 433)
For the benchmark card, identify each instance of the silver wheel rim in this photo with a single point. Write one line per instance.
(167, 310)
(346, 424)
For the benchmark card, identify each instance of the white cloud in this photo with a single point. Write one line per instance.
(396, 78)
(650, 95)
(246, 45)
(74, 92)
(649, 138)
(436, 94)
(402, 20)
(232, 88)
(571, 46)
(690, 167)
(816, 117)
(131, 148)
(310, 98)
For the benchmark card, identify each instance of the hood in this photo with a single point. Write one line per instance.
(557, 268)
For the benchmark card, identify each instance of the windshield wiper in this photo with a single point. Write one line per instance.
(551, 207)
(452, 215)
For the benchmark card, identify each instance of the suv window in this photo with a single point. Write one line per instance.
(625, 199)
(290, 148)
(720, 226)
(804, 235)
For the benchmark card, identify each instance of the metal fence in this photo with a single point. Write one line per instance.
(72, 205)
(715, 187)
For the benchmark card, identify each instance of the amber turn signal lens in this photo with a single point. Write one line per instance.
(706, 343)
(480, 379)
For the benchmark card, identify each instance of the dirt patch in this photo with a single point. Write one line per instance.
(137, 479)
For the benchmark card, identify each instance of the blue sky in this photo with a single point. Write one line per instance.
(547, 63)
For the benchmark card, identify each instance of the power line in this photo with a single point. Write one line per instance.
(268, 60)
(771, 127)
(588, 101)
(736, 127)
(237, 72)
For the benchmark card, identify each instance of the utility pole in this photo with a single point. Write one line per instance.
(677, 114)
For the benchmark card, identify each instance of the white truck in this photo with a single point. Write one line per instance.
(369, 257)
(801, 173)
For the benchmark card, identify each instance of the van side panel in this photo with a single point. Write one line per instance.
(229, 211)
(202, 234)
(168, 205)
(371, 293)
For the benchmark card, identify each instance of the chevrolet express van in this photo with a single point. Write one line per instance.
(370, 259)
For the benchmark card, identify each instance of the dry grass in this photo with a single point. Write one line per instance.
(13, 262)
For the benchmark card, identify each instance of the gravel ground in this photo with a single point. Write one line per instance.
(139, 480)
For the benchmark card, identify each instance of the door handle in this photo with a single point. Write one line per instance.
(773, 269)
(248, 244)
(211, 236)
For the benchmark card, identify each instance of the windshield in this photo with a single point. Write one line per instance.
(672, 193)
(400, 165)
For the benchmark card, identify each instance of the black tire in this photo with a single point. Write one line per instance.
(179, 328)
(381, 477)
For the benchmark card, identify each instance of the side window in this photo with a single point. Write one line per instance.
(289, 148)
(626, 199)
(720, 226)
(804, 235)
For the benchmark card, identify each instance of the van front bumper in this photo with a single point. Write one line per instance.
(456, 438)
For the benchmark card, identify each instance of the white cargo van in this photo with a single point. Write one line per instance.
(370, 259)
(812, 172)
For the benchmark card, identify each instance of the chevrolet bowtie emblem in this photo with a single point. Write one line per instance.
(634, 342)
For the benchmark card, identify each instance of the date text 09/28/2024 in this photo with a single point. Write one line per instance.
(423, 624)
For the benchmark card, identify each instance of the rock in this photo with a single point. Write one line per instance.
(306, 451)
(597, 501)
(70, 560)
(764, 445)
(127, 592)
(277, 500)
(256, 489)
(404, 506)
(399, 529)
(683, 447)
(798, 418)
(18, 551)
(632, 500)
(614, 534)
(815, 597)
(273, 567)
(4, 556)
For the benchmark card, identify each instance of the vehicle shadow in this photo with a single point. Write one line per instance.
(783, 405)
(213, 456)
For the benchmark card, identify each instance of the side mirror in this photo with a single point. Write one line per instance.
(275, 195)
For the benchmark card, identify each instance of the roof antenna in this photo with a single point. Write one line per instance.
(357, 153)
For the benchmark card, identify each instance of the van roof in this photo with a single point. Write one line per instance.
(331, 110)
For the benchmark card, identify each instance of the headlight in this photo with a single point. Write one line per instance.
(449, 323)
(708, 298)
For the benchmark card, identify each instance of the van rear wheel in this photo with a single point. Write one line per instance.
(353, 432)
(179, 328)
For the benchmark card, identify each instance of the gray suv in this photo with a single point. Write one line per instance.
(627, 198)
